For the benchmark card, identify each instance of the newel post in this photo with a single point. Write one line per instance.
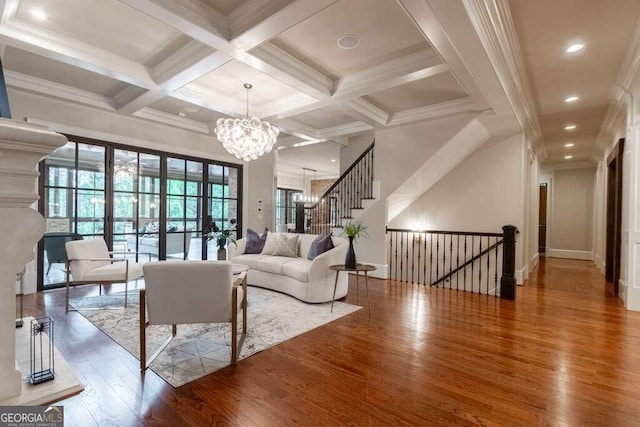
(508, 280)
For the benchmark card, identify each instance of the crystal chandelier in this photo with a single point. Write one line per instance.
(247, 138)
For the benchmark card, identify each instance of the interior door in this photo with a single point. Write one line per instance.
(542, 225)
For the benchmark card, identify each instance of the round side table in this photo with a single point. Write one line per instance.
(365, 268)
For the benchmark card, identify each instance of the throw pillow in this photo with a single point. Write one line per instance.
(270, 243)
(286, 246)
(320, 245)
(255, 242)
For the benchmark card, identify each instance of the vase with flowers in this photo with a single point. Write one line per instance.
(353, 230)
(221, 236)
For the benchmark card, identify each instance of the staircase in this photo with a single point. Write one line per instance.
(347, 199)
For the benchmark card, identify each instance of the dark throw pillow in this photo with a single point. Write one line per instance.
(255, 242)
(320, 245)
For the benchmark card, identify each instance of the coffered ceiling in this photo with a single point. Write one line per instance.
(183, 63)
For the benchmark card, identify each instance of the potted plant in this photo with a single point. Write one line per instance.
(353, 230)
(222, 237)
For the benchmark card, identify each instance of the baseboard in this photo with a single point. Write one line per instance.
(381, 271)
(534, 261)
(564, 253)
(521, 275)
(622, 291)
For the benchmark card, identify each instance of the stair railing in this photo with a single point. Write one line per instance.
(465, 261)
(345, 194)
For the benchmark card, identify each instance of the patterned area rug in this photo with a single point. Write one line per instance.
(200, 349)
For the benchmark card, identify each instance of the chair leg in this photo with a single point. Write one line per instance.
(48, 268)
(125, 293)
(244, 307)
(66, 306)
(143, 331)
(234, 327)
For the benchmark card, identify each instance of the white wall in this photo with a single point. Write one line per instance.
(571, 219)
(398, 153)
(485, 192)
(262, 188)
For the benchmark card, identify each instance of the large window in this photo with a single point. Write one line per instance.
(142, 203)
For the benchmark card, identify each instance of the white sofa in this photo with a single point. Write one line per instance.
(309, 281)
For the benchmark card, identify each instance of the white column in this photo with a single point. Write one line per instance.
(630, 262)
(21, 148)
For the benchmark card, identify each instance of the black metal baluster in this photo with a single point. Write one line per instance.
(401, 248)
(458, 263)
(488, 261)
(437, 256)
(431, 259)
(496, 267)
(465, 263)
(480, 267)
(473, 248)
(424, 273)
(450, 260)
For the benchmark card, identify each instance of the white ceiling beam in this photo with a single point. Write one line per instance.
(291, 71)
(73, 52)
(172, 120)
(187, 64)
(209, 28)
(416, 66)
(295, 128)
(366, 112)
(458, 106)
(344, 130)
(257, 21)
(277, 17)
(57, 90)
(428, 23)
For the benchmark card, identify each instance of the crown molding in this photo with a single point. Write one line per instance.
(126, 140)
(172, 120)
(584, 164)
(292, 71)
(494, 27)
(57, 90)
(367, 112)
(348, 129)
(457, 106)
(622, 100)
(416, 66)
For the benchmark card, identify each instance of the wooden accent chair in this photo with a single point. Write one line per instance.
(90, 262)
(191, 292)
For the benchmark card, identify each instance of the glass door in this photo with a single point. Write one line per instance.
(74, 203)
(136, 199)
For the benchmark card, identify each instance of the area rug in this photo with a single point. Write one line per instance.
(200, 349)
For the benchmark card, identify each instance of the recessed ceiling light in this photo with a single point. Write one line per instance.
(181, 114)
(569, 127)
(348, 41)
(575, 48)
(568, 157)
(38, 14)
(569, 144)
(572, 98)
(333, 160)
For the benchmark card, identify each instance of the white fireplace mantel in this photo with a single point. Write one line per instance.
(22, 146)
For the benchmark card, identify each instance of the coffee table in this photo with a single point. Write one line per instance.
(359, 267)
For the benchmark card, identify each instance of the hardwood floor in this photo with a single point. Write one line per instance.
(566, 352)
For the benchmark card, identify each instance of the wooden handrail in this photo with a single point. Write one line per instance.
(344, 174)
(472, 260)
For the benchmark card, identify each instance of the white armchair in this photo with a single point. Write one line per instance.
(90, 262)
(191, 292)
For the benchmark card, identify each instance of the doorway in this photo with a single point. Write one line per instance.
(542, 223)
(614, 215)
